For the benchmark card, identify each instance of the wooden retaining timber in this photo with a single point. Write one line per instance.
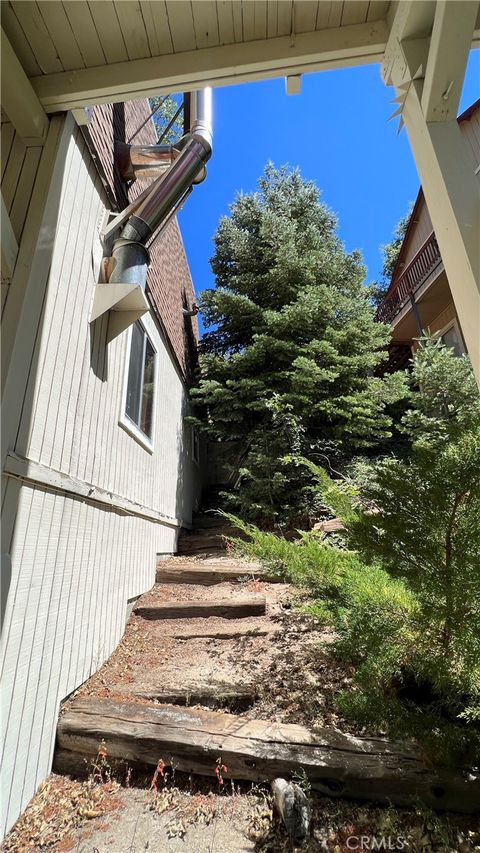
(226, 609)
(207, 537)
(200, 543)
(207, 575)
(210, 521)
(336, 764)
(208, 694)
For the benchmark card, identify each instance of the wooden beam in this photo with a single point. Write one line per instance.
(336, 764)
(19, 100)
(450, 45)
(408, 19)
(223, 65)
(9, 245)
(205, 574)
(210, 694)
(35, 473)
(234, 608)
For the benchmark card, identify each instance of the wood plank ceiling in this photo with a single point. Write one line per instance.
(51, 37)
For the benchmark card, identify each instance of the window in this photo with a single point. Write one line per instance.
(195, 446)
(452, 338)
(140, 388)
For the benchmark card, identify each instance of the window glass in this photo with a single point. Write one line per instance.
(451, 338)
(147, 397)
(135, 371)
(140, 383)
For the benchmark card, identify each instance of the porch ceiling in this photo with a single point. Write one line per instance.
(80, 53)
(52, 37)
(134, 47)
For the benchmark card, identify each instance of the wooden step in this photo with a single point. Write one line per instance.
(196, 544)
(209, 520)
(209, 694)
(207, 575)
(336, 764)
(226, 609)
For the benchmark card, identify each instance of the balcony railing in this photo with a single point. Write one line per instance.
(413, 276)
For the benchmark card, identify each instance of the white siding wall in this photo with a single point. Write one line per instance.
(75, 563)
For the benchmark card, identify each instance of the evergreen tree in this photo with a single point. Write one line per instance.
(390, 252)
(166, 108)
(425, 527)
(287, 364)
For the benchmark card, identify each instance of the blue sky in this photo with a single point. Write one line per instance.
(336, 131)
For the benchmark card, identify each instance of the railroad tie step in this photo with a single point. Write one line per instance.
(225, 609)
(213, 694)
(335, 763)
(208, 575)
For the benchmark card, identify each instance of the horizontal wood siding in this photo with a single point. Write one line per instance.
(471, 130)
(439, 322)
(74, 563)
(423, 229)
(443, 319)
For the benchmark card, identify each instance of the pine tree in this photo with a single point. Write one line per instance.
(390, 252)
(426, 524)
(287, 362)
(165, 110)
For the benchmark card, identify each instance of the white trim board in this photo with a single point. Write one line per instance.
(281, 56)
(34, 472)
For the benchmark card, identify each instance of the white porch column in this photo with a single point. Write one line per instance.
(19, 100)
(452, 191)
(446, 165)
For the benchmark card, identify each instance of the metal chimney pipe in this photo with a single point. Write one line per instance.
(142, 161)
(129, 252)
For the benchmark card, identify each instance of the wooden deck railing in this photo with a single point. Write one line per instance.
(415, 274)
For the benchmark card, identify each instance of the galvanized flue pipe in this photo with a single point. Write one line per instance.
(129, 251)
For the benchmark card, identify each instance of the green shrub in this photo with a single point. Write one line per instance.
(376, 616)
(308, 562)
(381, 627)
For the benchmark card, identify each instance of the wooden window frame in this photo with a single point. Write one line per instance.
(125, 421)
(453, 324)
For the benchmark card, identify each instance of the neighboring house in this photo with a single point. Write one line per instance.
(101, 471)
(419, 296)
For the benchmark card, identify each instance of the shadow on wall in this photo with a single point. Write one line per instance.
(99, 347)
(23, 389)
(189, 480)
(191, 346)
(119, 133)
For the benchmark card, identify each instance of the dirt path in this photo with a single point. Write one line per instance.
(272, 666)
(267, 653)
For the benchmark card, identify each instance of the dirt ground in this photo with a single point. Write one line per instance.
(188, 815)
(286, 659)
(289, 663)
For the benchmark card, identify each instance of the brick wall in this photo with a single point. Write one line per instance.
(169, 284)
